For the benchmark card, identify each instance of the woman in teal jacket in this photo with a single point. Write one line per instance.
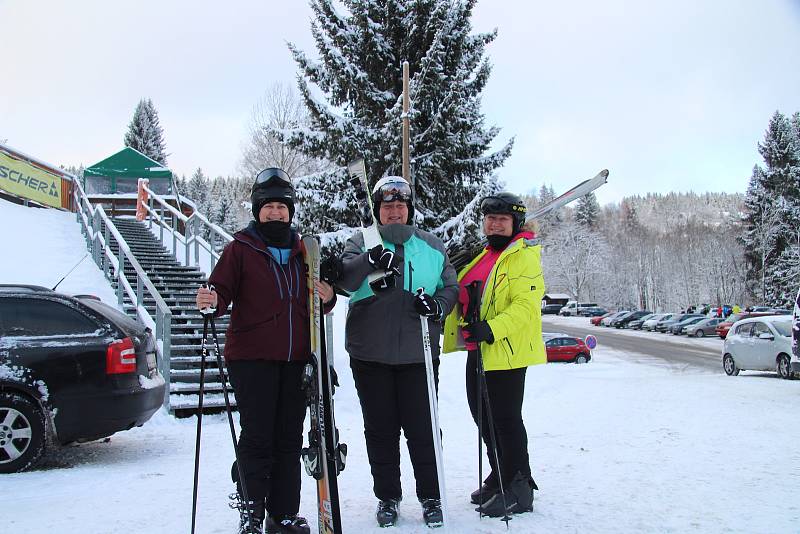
(384, 340)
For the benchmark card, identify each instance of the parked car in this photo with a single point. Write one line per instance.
(624, 321)
(680, 327)
(723, 327)
(615, 320)
(566, 348)
(636, 324)
(759, 344)
(551, 309)
(651, 323)
(574, 307)
(596, 320)
(607, 320)
(71, 369)
(592, 311)
(664, 326)
(703, 328)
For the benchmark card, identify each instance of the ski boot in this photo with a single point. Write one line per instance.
(432, 512)
(386, 514)
(257, 513)
(487, 490)
(518, 498)
(287, 524)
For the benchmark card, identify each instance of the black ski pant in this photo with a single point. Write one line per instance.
(506, 392)
(395, 397)
(272, 408)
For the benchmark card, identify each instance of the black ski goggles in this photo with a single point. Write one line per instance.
(497, 205)
(272, 176)
(392, 191)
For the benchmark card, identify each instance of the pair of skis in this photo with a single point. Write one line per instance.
(324, 457)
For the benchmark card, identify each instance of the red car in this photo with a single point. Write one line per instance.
(596, 320)
(564, 348)
(723, 327)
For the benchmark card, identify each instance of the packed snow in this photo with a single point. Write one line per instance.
(616, 445)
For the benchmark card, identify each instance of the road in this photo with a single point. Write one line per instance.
(676, 350)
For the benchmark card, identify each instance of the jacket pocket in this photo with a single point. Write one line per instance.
(253, 326)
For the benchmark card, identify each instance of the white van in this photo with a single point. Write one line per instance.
(573, 307)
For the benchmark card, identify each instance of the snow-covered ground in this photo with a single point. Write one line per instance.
(615, 446)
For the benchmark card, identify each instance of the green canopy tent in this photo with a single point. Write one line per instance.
(120, 174)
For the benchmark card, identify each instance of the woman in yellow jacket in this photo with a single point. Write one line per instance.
(510, 335)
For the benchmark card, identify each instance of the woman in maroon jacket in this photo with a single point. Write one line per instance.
(267, 344)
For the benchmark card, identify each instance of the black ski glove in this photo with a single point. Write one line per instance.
(426, 305)
(330, 270)
(480, 331)
(383, 258)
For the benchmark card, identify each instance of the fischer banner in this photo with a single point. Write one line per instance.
(23, 179)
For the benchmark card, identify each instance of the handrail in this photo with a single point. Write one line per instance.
(92, 218)
(192, 239)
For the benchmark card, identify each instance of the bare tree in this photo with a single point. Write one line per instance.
(279, 107)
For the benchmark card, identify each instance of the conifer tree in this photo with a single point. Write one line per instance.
(358, 114)
(145, 133)
(588, 210)
(772, 214)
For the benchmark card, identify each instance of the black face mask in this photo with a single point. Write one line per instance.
(275, 233)
(499, 242)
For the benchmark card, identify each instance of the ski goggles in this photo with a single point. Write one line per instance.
(392, 191)
(272, 176)
(497, 205)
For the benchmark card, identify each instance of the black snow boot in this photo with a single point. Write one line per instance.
(287, 524)
(486, 491)
(432, 512)
(386, 515)
(257, 513)
(518, 498)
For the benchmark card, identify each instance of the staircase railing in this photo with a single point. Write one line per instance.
(100, 233)
(194, 240)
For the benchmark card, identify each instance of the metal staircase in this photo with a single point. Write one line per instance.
(177, 285)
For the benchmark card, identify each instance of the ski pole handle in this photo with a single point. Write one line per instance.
(208, 310)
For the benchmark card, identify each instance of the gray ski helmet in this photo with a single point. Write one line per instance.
(390, 188)
(272, 185)
(506, 203)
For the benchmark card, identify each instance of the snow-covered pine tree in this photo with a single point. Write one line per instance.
(197, 190)
(588, 210)
(772, 214)
(354, 96)
(145, 133)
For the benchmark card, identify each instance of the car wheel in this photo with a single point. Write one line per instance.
(22, 432)
(699, 333)
(581, 358)
(729, 365)
(784, 367)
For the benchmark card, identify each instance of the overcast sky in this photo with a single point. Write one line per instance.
(668, 95)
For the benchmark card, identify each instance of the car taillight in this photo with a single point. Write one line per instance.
(121, 357)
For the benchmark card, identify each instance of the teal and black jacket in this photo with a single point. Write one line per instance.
(383, 327)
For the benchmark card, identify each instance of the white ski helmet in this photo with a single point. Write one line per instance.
(391, 188)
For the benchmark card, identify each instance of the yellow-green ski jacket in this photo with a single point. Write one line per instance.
(511, 304)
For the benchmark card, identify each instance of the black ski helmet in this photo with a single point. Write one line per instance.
(390, 188)
(272, 185)
(506, 203)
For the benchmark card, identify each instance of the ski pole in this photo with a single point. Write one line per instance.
(474, 293)
(433, 406)
(223, 382)
(208, 318)
(203, 354)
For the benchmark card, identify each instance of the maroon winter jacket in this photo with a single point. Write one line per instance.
(269, 319)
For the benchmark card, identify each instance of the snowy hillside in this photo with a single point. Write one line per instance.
(616, 446)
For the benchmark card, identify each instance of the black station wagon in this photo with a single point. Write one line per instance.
(71, 369)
